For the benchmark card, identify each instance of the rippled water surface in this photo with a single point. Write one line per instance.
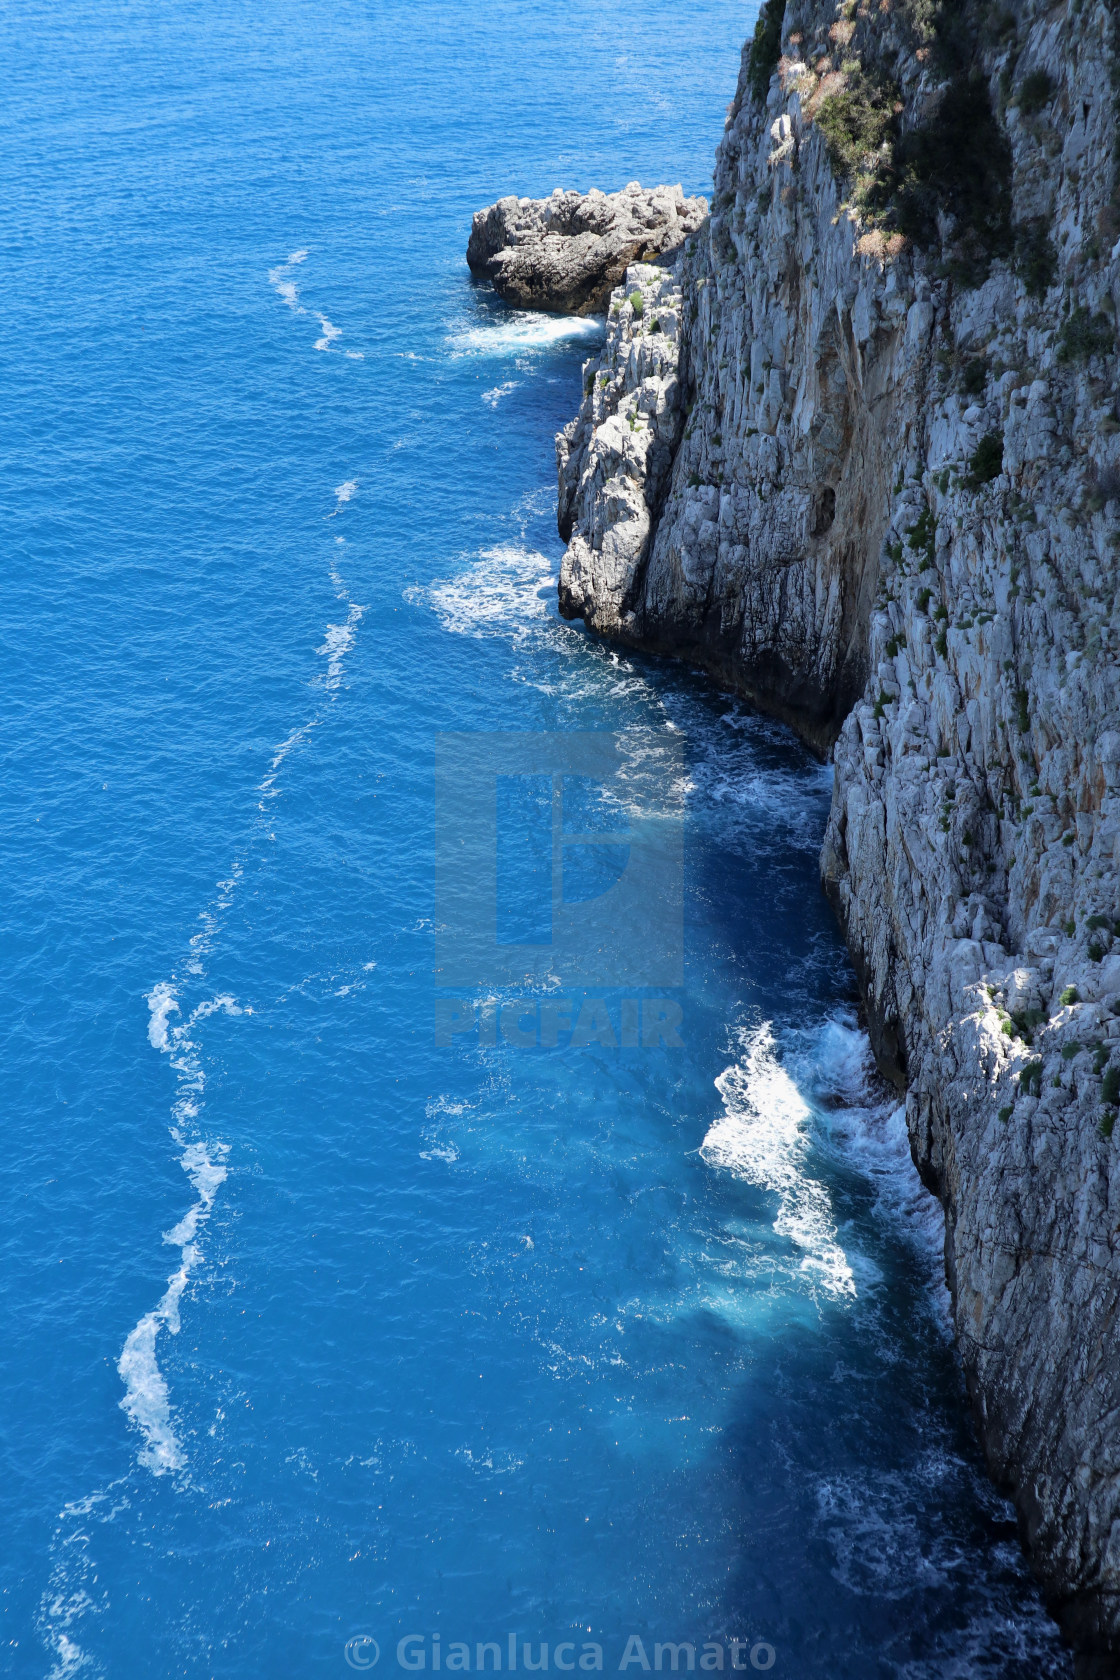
(315, 1329)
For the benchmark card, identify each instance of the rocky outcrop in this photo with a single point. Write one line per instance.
(858, 453)
(566, 253)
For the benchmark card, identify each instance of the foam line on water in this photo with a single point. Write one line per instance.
(337, 642)
(171, 1031)
(147, 1401)
(284, 285)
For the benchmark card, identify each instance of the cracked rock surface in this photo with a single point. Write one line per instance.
(567, 252)
(880, 497)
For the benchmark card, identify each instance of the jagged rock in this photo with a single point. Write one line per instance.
(801, 486)
(567, 252)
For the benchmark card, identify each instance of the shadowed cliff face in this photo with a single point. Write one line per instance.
(858, 453)
(758, 558)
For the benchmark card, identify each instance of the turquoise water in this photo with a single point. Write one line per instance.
(317, 1331)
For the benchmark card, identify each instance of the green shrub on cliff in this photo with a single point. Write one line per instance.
(1036, 259)
(974, 377)
(1035, 91)
(950, 175)
(987, 460)
(957, 164)
(857, 124)
(947, 179)
(1085, 335)
(1031, 1078)
(766, 48)
(922, 538)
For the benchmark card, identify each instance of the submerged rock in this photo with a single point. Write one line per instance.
(567, 252)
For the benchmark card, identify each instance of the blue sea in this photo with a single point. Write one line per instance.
(321, 1335)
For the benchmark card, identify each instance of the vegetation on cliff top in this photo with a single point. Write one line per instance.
(946, 179)
(766, 47)
(858, 124)
(951, 174)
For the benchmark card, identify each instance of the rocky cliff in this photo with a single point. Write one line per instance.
(567, 252)
(858, 453)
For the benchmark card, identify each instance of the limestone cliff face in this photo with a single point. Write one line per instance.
(567, 252)
(858, 453)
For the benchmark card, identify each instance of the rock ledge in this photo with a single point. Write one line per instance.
(566, 253)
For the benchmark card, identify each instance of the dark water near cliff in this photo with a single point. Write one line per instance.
(570, 1344)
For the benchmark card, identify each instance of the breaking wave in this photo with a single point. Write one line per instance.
(507, 591)
(525, 329)
(763, 1136)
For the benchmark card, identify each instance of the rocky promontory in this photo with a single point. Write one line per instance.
(857, 451)
(566, 253)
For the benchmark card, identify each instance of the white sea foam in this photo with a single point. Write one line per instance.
(69, 1656)
(345, 493)
(284, 287)
(285, 747)
(74, 1588)
(525, 329)
(161, 1003)
(491, 1462)
(762, 1136)
(833, 1067)
(866, 1124)
(494, 397)
(280, 279)
(268, 788)
(146, 1398)
(507, 591)
(741, 776)
(440, 1152)
(879, 1535)
(337, 642)
(444, 1105)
